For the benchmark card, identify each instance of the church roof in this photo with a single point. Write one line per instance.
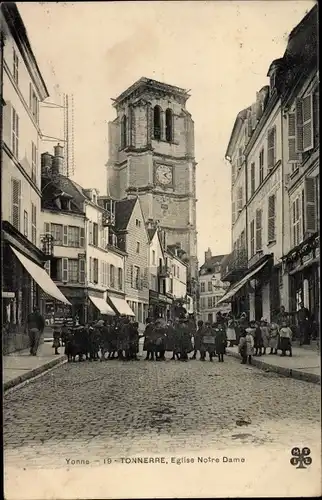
(123, 212)
(147, 83)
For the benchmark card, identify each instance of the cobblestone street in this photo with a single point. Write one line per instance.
(114, 409)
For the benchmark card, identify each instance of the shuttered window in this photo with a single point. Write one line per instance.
(239, 199)
(15, 72)
(271, 148)
(81, 278)
(82, 237)
(65, 270)
(252, 179)
(120, 278)
(95, 270)
(112, 276)
(271, 218)
(90, 233)
(293, 156)
(310, 205)
(261, 166)
(258, 230)
(307, 104)
(90, 270)
(299, 125)
(15, 203)
(25, 223)
(296, 222)
(33, 224)
(316, 116)
(252, 238)
(65, 236)
(15, 133)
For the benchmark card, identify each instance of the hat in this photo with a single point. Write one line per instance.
(100, 322)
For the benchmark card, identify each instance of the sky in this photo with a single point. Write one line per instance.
(219, 50)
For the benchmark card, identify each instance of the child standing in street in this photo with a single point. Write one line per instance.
(265, 334)
(258, 341)
(273, 338)
(56, 341)
(286, 339)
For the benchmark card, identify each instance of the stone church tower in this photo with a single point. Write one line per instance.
(151, 155)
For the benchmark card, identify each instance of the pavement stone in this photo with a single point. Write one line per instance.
(93, 410)
(305, 364)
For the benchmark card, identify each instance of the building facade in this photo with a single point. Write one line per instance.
(282, 194)
(132, 237)
(152, 156)
(24, 250)
(300, 106)
(86, 264)
(212, 288)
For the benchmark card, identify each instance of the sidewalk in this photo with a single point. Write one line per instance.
(20, 366)
(305, 364)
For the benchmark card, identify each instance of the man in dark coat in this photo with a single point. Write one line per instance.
(208, 343)
(184, 339)
(148, 344)
(303, 316)
(134, 340)
(198, 338)
(36, 325)
(220, 341)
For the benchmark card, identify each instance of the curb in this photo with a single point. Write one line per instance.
(33, 373)
(281, 370)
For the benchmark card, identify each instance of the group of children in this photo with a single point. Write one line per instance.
(259, 336)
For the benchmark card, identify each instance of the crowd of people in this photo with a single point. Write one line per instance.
(120, 338)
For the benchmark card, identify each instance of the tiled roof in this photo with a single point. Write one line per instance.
(213, 261)
(123, 212)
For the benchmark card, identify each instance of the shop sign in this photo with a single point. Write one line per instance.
(8, 295)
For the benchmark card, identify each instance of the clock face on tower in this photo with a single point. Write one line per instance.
(163, 175)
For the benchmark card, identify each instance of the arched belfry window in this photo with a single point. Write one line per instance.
(157, 122)
(169, 125)
(123, 131)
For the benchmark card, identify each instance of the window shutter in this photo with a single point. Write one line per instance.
(47, 267)
(15, 203)
(240, 199)
(65, 236)
(132, 275)
(90, 270)
(258, 230)
(271, 218)
(316, 117)
(82, 237)
(299, 125)
(95, 270)
(65, 270)
(308, 138)
(252, 178)
(233, 213)
(271, 149)
(252, 238)
(81, 268)
(310, 205)
(292, 153)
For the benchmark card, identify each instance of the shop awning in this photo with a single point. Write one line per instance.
(234, 289)
(41, 277)
(102, 306)
(122, 306)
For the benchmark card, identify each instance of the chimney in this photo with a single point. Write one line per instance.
(208, 255)
(58, 160)
(46, 164)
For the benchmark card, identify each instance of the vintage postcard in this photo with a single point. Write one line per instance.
(160, 209)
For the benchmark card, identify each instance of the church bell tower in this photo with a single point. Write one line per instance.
(151, 155)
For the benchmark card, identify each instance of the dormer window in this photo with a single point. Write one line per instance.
(65, 203)
(94, 198)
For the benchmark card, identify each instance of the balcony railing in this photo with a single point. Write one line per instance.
(234, 264)
(47, 244)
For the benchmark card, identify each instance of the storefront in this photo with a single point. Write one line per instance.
(303, 268)
(120, 305)
(25, 285)
(159, 305)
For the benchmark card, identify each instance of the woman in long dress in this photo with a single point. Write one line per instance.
(231, 332)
